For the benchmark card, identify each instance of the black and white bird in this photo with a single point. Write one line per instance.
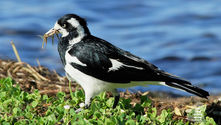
(99, 66)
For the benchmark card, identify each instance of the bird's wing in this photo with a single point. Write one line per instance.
(104, 61)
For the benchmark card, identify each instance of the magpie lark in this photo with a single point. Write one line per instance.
(99, 66)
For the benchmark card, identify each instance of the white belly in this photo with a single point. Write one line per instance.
(88, 83)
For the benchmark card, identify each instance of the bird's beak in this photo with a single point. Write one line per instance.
(50, 33)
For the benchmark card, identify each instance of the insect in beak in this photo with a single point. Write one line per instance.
(50, 33)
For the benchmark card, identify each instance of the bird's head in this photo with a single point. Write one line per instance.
(71, 26)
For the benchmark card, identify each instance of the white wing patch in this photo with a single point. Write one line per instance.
(116, 65)
(73, 59)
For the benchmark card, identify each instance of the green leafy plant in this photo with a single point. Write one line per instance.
(20, 108)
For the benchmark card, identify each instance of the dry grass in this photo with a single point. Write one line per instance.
(31, 78)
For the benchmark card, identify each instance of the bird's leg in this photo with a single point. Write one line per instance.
(116, 98)
(87, 102)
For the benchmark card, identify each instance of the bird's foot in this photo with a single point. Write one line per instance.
(78, 110)
(82, 107)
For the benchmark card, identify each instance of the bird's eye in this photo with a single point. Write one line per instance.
(64, 26)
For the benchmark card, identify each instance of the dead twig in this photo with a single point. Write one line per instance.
(15, 51)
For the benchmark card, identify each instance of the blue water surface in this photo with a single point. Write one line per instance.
(182, 37)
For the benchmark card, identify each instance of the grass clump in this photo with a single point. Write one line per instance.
(19, 108)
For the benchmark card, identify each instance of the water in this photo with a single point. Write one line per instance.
(179, 36)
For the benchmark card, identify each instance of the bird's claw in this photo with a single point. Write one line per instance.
(78, 110)
(82, 107)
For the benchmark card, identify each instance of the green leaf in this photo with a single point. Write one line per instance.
(162, 116)
(138, 108)
(51, 117)
(108, 122)
(97, 114)
(102, 95)
(93, 106)
(34, 103)
(143, 99)
(79, 93)
(29, 115)
(15, 110)
(3, 95)
(109, 102)
(130, 122)
(210, 121)
(153, 113)
(45, 97)
(6, 123)
(126, 103)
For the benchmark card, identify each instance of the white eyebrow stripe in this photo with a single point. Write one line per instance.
(73, 22)
(80, 30)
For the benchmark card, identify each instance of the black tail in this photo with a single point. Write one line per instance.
(177, 83)
(189, 88)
